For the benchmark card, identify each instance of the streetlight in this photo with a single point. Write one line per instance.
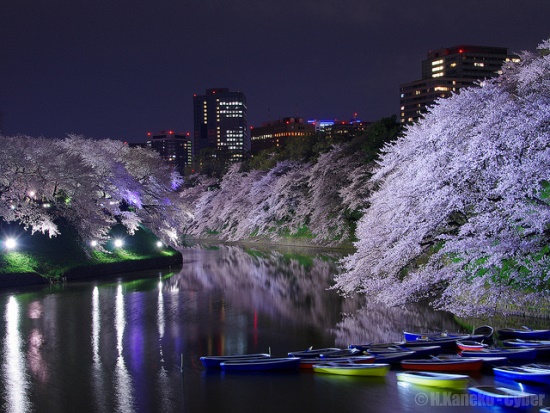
(10, 243)
(159, 244)
(119, 243)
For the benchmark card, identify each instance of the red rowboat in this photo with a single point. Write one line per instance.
(448, 365)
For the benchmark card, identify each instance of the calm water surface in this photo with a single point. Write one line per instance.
(116, 345)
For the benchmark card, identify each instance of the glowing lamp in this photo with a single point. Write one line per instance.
(10, 243)
(93, 243)
(119, 243)
(159, 244)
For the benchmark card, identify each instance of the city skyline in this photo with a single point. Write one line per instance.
(117, 71)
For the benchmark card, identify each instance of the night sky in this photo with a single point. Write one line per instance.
(119, 68)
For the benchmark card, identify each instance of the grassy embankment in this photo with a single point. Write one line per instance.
(57, 257)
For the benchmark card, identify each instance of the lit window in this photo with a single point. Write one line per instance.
(437, 62)
(479, 64)
(440, 74)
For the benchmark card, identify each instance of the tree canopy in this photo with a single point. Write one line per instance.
(87, 184)
(461, 213)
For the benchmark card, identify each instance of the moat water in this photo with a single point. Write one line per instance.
(132, 343)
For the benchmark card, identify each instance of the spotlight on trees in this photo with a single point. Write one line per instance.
(10, 243)
(119, 243)
(93, 243)
(159, 244)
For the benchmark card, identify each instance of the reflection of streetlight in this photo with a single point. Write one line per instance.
(10, 243)
(119, 243)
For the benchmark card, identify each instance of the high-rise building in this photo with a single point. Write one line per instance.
(220, 123)
(277, 133)
(175, 148)
(447, 70)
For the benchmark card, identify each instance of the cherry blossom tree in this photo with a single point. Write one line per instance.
(88, 184)
(462, 210)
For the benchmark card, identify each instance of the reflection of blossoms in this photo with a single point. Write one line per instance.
(378, 323)
(274, 282)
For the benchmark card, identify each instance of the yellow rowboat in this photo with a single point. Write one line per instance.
(441, 380)
(352, 369)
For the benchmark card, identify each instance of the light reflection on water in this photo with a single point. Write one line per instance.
(123, 380)
(116, 345)
(15, 380)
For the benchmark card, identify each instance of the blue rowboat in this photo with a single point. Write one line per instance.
(432, 379)
(311, 352)
(214, 361)
(412, 336)
(525, 333)
(518, 342)
(361, 347)
(393, 358)
(502, 396)
(347, 352)
(524, 374)
(347, 369)
(514, 355)
(259, 364)
(423, 351)
(443, 342)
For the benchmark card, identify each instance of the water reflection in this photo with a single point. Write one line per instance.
(115, 345)
(16, 384)
(123, 380)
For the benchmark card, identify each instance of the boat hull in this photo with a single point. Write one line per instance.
(275, 363)
(365, 370)
(524, 334)
(513, 355)
(524, 374)
(501, 396)
(215, 361)
(450, 365)
(445, 381)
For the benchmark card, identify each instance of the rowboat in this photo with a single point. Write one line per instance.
(419, 351)
(483, 333)
(413, 336)
(427, 378)
(443, 342)
(214, 361)
(515, 355)
(347, 352)
(311, 352)
(518, 342)
(524, 374)
(525, 333)
(437, 364)
(259, 364)
(470, 345)
(502, 396)
(308, 363)
(488, 362)
(361, 347)
(393, 358)
(346, 369)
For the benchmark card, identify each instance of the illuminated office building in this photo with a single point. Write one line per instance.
(275, 134)
(220, 123)
(445, 71)
(176, 148)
